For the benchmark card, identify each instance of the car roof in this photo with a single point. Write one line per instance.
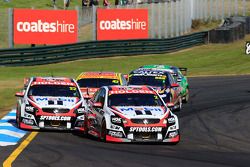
(99, 74)
(130, 89)
(160, 67)
(53, 81)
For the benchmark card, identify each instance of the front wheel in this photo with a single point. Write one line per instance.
(179, 105)
(103, 131)
(18, 119)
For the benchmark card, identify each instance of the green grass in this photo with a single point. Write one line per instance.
(212, 59)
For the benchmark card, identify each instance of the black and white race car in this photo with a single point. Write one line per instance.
(131, 114)
(50, 103)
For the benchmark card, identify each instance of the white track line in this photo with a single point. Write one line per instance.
(7, 143)
(11, 133)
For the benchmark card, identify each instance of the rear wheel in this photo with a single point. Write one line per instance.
(103, 131)
(179, 105)
(185, 100)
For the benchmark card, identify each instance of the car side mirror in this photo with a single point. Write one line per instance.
(98, 105)
(19, 94)
(125, 76)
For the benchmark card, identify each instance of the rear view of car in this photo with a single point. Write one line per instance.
(131, 114)
(90, 82)
(50, 103)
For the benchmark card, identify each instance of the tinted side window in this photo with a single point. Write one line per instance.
(171, 79)
(102, 96)
(96, 96)
(168, 81)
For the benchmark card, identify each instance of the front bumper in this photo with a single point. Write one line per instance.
(174, 139)
(31, 122)
(164, 136)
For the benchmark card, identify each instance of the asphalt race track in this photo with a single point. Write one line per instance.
(215, 131)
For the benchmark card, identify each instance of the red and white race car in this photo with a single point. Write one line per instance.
(131, 114)
(50, 103)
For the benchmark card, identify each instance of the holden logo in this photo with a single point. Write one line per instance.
(145, 121)
(56, 111)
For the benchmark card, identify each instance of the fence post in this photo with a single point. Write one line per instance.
(10, 27)
(211, 12)
(94, 16)
(217, 10)
(189, 18)
(166, 20)
(172, 18)
(205, 9)
(181, 17)
(235, 7)
(222, 9)
(78, 24)
(229, 7)
(159, 20)
(177, 18)
(200, 9)
(152, 21)
(192, 8)
(185, 6)
(244, 7)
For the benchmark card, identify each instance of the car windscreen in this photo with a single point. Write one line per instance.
(97, 82)
(54, 90)
(158, 81)
(134, 100)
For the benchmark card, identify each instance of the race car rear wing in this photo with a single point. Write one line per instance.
(183, 70)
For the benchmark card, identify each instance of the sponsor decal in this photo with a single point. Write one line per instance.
(53, 83)
(131, 91)
(56, 111)
(247, 48)
(45, 26)
(28, 121)
(55, 118)
(29, 108)
(145, 72)
(145, 129)
(72, 100)
(141, 109)
(115, 127)
(145, 121)
(115, 134)
(116, 24)
(116, 120)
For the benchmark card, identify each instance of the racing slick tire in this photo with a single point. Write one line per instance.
(180, 105)
(103, 131)
(18, 119)
(186, 98)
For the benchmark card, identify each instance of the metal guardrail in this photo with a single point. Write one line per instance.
(69, 52)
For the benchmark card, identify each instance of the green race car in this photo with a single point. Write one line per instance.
(179, 74)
